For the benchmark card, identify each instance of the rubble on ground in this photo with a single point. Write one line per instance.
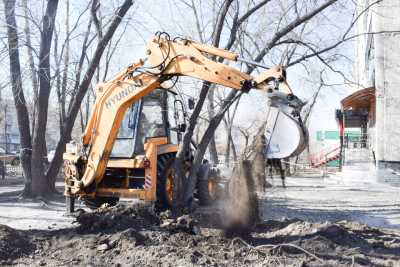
(135, 235)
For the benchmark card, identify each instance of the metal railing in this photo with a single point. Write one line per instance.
(7, 170)
(324, 156)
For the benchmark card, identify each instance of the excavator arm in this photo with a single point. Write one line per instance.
(167, 59)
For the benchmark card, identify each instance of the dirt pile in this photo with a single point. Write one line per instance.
(332, 244)
(119, 217)
(13, 244)
(134, 235)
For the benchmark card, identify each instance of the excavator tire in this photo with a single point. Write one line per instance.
(95, 203)
(165, 175)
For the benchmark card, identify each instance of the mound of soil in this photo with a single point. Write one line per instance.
(13, 244)
(116, 218)
(135, 236)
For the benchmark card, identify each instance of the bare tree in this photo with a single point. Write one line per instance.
(187, 136)
(33, 154)
(234, 95)
(83, 86)
(18, 93)
(40, 185)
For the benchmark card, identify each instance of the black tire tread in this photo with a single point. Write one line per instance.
(164, 162)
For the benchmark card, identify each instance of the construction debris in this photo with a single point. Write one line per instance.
(183, 223)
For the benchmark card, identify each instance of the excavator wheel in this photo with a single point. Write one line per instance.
(94, 203)
(165, 181)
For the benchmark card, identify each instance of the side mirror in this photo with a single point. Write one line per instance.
(191, 103)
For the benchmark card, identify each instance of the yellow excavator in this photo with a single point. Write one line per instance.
(131, 138)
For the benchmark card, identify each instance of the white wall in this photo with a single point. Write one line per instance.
(387, 57)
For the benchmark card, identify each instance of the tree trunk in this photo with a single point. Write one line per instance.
(228, 142)
(180, 179)
(258, 166)
(40, 183)
(201, 149)
(32, 69)
(234, 153)
(212, 147)
(62, 98)
(216, 40)
(228, 126)
(58, 82)
(18, 94)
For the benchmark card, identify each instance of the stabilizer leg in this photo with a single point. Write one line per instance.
(70, 204)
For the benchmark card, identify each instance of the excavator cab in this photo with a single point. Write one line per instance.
(145, 119)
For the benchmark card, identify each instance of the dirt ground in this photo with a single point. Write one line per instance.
(334, 198)
(310, 223)
(132, 236)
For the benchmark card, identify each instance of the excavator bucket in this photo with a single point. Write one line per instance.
(286, 136)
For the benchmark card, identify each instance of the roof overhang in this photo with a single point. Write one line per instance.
(360, 100)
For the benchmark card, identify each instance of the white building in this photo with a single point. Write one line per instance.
(377, 73)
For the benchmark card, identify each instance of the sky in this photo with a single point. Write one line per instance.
(147, 17)
(302, 82)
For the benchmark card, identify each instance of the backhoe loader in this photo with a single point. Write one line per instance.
(129, 145)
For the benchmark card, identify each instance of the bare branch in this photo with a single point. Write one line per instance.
(93, 10)
(291, 26)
